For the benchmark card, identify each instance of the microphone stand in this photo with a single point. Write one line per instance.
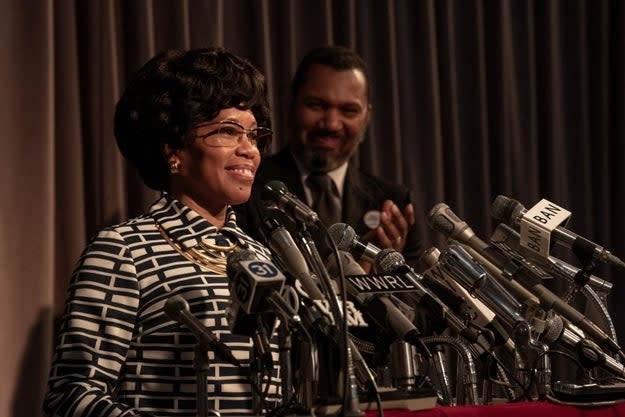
(531, 355)
(201, 366)
(285, 346)
(351, 404)
(289, 318)
(256, 377)
(260, 362)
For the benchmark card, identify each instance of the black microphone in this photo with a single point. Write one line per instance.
(379, 307)
(248, 324)
(277, 192)
(253, 281)
(256, 286)
(510, 211)
(444, 220)
(177, 309)
(255, 325)
(282, 244)
(240, 321)
(346, 239)
(313, 315)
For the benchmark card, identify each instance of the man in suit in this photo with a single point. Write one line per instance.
(330, 110)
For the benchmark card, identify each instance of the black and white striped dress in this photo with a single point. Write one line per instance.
(118, 353)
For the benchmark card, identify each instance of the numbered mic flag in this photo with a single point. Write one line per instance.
(254, 282)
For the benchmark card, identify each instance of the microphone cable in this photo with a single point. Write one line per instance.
(345, 333)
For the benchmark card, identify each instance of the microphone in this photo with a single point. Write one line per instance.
(390, 261)
(316, 315)
(282, 244)
(345, 238)
(257, 327)
(240, 321)
(508, 240)
(444, 220)
(472, 307)
(558, 330)
(253, 281)
(177, 309)
(472, 276)
(277, 192)
(256, 286)
(380, 308)
(510, 211)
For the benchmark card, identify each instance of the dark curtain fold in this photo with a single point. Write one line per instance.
(471, 99)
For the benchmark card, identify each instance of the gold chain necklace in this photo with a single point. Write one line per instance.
(206, 255)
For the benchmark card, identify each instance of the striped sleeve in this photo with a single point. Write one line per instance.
(95, 333)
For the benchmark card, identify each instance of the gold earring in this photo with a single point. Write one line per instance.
(174, 166)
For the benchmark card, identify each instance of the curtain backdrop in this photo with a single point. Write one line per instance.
(471, 99)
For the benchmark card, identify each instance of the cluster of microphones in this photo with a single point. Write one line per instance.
(504, 331)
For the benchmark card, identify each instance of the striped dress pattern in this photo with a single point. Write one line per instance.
(118, 353)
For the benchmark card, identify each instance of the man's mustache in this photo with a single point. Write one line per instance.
(325, 133)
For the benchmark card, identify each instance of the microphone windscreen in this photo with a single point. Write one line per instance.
(429, 258)
(388, 260)
(343, 235)
(502, 208)
(174, 306)
(438, 221)
(232, 262)
(272, 188)
(506, 210)
(553, 329)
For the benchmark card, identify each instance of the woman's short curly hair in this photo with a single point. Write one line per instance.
(174, 92)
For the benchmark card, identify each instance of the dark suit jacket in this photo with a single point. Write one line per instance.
(362, 192)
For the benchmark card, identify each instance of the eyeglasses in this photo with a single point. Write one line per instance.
(230, 133)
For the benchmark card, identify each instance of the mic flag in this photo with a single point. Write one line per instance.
(256, 286)
(444, 220)
(544, 216)
(253, 280)
(380, 308)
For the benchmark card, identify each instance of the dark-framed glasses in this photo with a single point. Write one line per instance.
(229, 133)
